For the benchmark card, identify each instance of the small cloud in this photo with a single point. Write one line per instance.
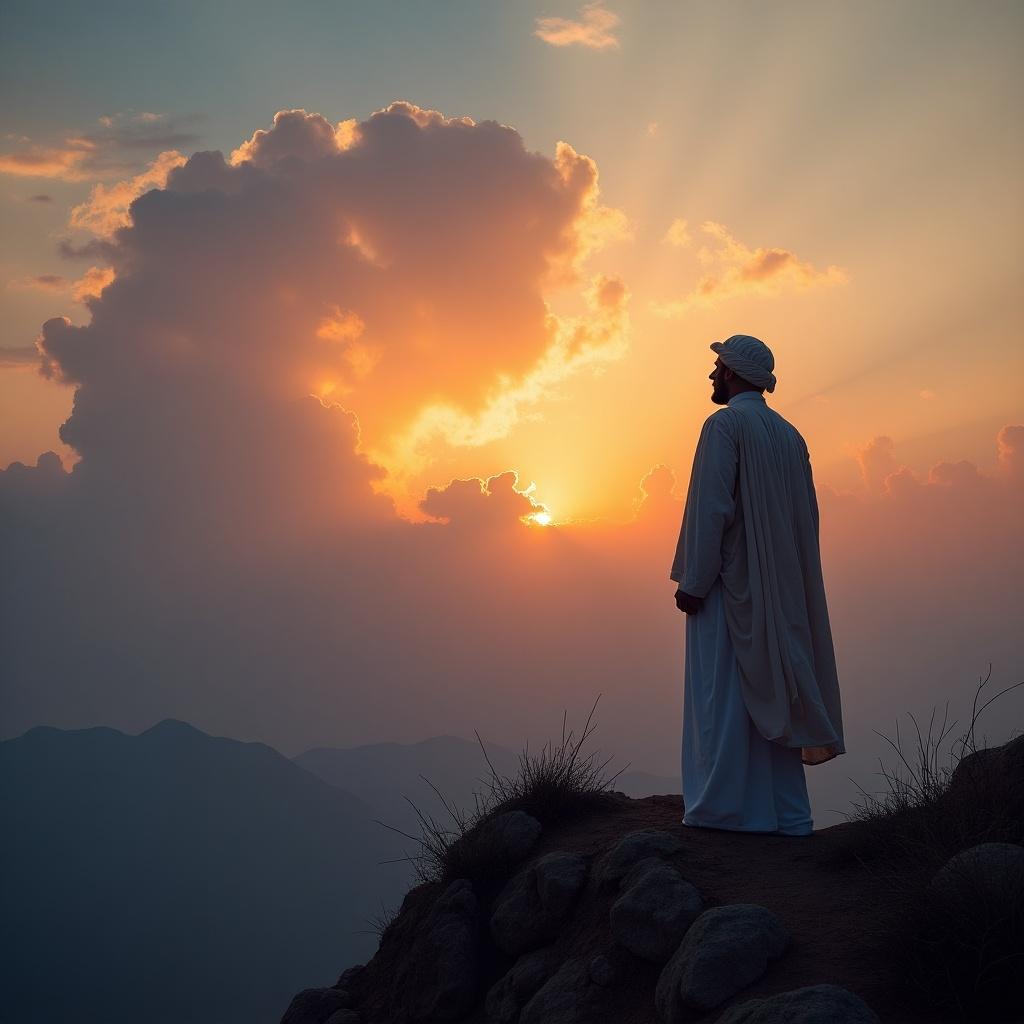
(677, 234)
(652, 127)
(739, 270)
(40, 198)
(40, 283)
(926, 394)
(594, 29)
(473, 502)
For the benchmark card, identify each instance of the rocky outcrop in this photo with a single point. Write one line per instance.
(725, 950)
(316, 1006)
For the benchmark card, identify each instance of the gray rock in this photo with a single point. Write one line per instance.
(724, 950)
(628, 852)
(991, 873)
(816, 1004)
(654, 909)
(511, 835)
(315, 1006)
(508, 995)
(564, 999)
(535, 903)
(446, 955)
(603, 971)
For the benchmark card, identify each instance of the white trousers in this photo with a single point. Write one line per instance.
(733, 778)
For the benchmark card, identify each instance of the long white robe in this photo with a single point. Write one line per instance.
(750, 525)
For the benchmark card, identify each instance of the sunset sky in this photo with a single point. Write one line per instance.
(402, 277)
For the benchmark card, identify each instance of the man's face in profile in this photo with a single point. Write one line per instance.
(719, 394)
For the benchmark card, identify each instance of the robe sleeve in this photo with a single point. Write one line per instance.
(710, 507)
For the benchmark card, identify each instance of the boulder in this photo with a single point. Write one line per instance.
(509, 994)
(653, 911)
(990, 873)
(536, 902)
(816, 1004)
(628, 852)
(445, 956)
(315, 1006)
(510, 836)
(568, 997)
(344, 1017)
(724, 950)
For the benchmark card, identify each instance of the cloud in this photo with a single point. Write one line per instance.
(476, 503)
(97, 153)
(40, 282)
(106, 209)
(89, 285)
(678, 234)
(595, 28)
(740, 270)
(40, 198)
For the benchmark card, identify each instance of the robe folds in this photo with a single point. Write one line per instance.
(751, 521)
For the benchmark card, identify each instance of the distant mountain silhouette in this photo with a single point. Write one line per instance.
(173, 876)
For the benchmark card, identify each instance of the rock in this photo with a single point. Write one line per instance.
(990, 873)
(653, 911)
(816, 1004)
(628, 852)
(508, 995)
(724, 950)
(565, 998)
(350, 977)
(603, 971)
(511, 836)
(535, 903)
(315, 1006)
(445, 956)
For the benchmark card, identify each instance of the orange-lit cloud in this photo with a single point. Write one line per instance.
(482, 504)
(106, 209)
(594, 29)
(678, 233)
(19, 357)
(89, 285)
(739, 270)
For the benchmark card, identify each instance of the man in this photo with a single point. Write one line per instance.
(761, 695)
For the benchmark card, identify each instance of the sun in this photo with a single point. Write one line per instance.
(543, 518)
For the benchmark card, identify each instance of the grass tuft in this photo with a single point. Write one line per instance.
(554, 784)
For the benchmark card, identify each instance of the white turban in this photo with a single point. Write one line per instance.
(748, 358)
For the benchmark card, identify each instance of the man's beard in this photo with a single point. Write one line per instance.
(719, 395)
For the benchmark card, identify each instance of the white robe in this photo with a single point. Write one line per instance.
(750, 525)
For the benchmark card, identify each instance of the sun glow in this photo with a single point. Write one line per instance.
(542, 518)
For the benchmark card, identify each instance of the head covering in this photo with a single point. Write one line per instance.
(749, 358)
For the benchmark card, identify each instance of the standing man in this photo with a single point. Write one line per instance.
(761, 695)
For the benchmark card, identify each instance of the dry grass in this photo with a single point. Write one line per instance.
(558, 782)
(960, 954)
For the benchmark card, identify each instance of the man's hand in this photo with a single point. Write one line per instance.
(688, 603)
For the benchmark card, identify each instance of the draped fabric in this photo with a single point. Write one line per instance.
(751, 519)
